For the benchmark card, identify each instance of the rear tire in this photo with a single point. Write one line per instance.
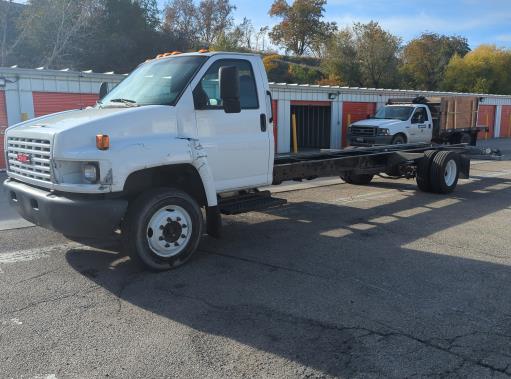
(398, 139)
(162, 229)
(444, 172)
(358, 179)
(423, 171)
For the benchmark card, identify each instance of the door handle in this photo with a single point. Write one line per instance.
(263, 122)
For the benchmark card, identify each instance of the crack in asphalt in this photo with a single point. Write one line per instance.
(53, 300)
(293, 319)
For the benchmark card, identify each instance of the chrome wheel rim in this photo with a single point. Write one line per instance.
(450, 172)
(169, 230)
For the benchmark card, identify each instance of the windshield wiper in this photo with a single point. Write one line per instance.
(131, 103)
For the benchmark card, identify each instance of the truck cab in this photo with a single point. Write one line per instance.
(393, 124)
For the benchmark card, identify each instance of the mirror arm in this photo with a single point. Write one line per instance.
(271, 106)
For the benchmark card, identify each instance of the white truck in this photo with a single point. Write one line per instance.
(447, 119)
(181, 133)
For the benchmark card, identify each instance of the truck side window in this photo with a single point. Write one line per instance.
(211, 89)
(419, 116)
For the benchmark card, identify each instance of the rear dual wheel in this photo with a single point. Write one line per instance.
(438, 172)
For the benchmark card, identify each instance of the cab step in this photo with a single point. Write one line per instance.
(249, 202)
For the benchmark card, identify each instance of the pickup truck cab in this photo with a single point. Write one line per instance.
(182, 134)
(393, 124)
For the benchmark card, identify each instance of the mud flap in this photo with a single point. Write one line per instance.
(464, 167)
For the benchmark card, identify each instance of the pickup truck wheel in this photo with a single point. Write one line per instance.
(444, 172)
(398, 139)
(423, 169)
(162, 229)
(358, 179)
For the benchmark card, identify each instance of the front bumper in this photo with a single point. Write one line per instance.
(77, 216)
(369, 141)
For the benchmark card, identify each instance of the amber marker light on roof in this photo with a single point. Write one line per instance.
(102, 142)
(203, 51)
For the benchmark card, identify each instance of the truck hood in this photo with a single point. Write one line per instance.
(76, 130)
(378, 122)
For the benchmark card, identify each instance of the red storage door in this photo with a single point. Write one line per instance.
(52, 102)
(275, 112)
(505, 122)
(354, 111)
(486, 117)
(3, 126)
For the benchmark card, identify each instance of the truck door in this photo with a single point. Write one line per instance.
(421, 127)
(237, 144)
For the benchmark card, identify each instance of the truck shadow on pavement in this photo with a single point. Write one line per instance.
(394, 288)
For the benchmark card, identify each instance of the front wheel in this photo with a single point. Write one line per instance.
(359, 179)
(162, 229)
(398, 139)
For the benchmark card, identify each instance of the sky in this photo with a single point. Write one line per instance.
(480, 21)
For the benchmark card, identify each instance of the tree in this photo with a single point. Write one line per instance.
(10, 33)
(122, 36)
(484, 70)
(340, 61)
(364, 55)
(180, 20)
(301, 27)
(199, 25)
(425, 58)
(49, 28)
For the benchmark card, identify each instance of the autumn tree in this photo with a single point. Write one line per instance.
(424, 59)
(484, 70)
(202, 24)
(301, 27)
(363, 55)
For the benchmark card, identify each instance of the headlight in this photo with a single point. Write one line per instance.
(90, 172)
(349, 129)
(383, 132)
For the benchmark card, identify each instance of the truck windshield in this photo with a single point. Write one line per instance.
(394, 113)
(159, 82)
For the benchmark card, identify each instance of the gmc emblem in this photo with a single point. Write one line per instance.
(24, 158)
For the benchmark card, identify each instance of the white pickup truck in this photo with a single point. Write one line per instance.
(181, 133)
(447, 119)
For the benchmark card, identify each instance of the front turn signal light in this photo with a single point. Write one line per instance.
(102, 142)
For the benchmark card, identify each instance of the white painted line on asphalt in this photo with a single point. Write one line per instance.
(32, 254)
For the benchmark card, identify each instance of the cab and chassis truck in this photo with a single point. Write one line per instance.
(185, 137)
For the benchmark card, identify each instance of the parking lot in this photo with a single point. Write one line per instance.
(344, 281)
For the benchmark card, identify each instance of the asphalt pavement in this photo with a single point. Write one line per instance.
(344, 281)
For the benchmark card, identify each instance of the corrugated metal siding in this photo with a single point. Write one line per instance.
(486, 117)
(3, 126)
(52, 102)
(352, 112)
(505, 122)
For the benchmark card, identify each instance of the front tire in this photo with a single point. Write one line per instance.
(162, 229)
(358, 179)
(399, 139)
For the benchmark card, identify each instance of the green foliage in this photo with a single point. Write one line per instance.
(301, 28)
(364, 55)
(425, 58)
(484, 70)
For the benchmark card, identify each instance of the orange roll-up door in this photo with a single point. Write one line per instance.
(53, 102)
(354, 111)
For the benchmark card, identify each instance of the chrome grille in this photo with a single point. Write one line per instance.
(39, 152)
(363, 131)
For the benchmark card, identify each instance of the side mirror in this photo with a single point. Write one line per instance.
(103, 90)
(230, 89)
